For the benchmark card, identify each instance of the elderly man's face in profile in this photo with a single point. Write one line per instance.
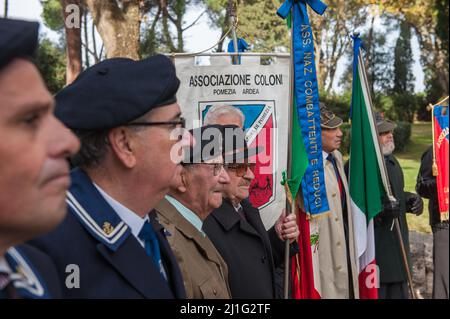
(159, 148)
(34, 173)
(331, 139)
(387, 144)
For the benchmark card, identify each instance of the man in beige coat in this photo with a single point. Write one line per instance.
(336, 256)
(195, 193)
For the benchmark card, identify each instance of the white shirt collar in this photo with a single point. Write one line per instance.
(133, 220)
(188, 214)
(325, 156)
(237, 207)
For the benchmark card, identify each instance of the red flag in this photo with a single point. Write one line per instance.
(441, 149)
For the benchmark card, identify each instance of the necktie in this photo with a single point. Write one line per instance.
(330, 158)
(148, 235)
(241, 213)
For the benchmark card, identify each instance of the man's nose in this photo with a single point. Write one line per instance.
(63, 143)
(224, 178)
(249, 174)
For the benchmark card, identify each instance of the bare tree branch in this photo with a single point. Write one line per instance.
(195, 21)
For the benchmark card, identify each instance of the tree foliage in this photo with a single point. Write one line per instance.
(51, 62)
(403, 61)
(139, 28)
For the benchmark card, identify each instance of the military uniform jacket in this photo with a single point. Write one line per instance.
(331, 250)
(205, 273)
(387, 246)
(110, 260)
(247, 249)
(33, 274)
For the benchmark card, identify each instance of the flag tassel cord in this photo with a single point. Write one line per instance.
(391, 197)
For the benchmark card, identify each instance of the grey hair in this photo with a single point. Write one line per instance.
(217, 111)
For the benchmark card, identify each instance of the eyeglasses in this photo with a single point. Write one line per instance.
(217, 167)
(181, 123)
(240, 168)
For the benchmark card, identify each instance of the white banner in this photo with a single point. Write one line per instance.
(261, 92)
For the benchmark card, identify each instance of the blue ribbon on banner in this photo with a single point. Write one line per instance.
(242, 47)
(307, 94)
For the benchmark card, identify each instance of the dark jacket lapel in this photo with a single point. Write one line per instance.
(227, 216)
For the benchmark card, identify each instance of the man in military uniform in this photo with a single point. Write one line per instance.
(125, 113)
(34, 172)
(426, 187)
(388, 255)
(252, 253)
(195, 193)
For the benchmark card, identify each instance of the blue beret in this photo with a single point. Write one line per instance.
(17, 39)
(116, 91)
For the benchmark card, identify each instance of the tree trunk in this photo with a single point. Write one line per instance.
(225, 27)
(316, 26)
(118, 27)
(86, 39)
(432, 58)
(73, 39)
(94, 44)
(369, 55)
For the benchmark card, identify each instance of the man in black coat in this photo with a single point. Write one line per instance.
(393, 277)
(126, 115)
(426, 187)
(34, 172)
(238, 233)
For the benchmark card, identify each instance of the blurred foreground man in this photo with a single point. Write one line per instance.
(34, 171)
(195, 193)
(125, 114)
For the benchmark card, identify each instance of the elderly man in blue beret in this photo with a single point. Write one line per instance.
(34, 173)
(111, 245)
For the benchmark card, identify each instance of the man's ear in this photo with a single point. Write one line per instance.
(121, 141)
(184, 181)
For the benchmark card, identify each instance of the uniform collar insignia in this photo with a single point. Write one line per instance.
(94, 213)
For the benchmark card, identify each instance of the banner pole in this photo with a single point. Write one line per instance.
(292, 202)
(232, 12)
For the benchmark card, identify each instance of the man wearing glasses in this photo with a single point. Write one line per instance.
(195, 193)
(236, 228)
(111, 245)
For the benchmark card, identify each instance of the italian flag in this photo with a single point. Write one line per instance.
(366, 178)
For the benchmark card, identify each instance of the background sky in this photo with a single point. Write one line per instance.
(199, 37)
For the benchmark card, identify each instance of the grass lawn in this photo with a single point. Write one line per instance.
(409, 159)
